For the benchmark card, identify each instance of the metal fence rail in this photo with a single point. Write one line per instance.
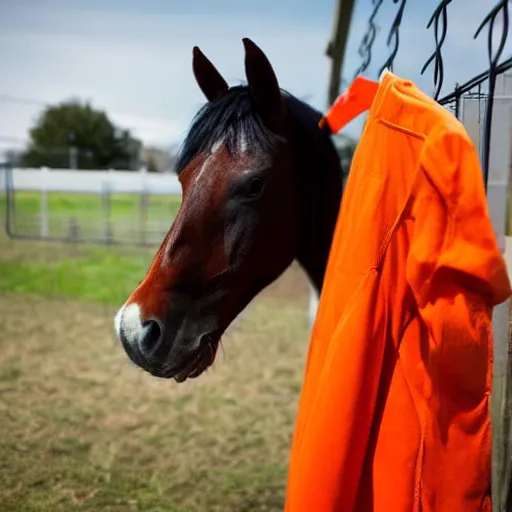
(97, 207)
(102, 216)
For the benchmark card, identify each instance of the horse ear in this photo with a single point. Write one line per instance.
(263, 86)
(210, 81)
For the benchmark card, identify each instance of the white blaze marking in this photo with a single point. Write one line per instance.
(243, 143)
(216, 147)
(128, 322)
(117, 321)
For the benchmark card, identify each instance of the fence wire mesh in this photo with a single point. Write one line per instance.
(484, 105)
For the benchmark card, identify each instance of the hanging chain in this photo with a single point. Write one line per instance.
(439, 23)
(365, 47)
(394, 34)
(440, 14)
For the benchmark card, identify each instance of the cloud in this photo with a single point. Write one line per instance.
(136, 64)
(155, 131)
(138, 68)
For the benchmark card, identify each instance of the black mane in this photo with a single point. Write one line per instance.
(233, 116)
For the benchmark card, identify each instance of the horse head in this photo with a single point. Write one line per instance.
(248, 209)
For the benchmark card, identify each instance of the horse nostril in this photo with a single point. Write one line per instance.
(206, 339)
(151, 336)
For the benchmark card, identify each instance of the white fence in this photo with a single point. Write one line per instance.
(128, 207)
(94, 182)
(103, 184)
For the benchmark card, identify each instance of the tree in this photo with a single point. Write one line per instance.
(73, 134)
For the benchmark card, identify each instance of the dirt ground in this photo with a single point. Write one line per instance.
(83, 429)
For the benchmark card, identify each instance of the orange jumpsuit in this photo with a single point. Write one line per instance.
(394, 411)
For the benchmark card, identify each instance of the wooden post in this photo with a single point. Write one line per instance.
(336, 52)
(144, 204)
(10, 198)
(336, 46)
(107, 206)
(43, 222)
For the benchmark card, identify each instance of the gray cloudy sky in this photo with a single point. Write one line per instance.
(133, 58)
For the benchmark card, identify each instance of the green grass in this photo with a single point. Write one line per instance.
(92, 205)
(95, 274)
(128, 217)
(84, 430)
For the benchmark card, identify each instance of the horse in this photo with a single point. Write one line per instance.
(261, 187)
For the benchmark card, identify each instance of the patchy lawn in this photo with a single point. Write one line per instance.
(83, 429)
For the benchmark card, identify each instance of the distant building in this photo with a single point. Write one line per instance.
(154, 157)
(134, 148)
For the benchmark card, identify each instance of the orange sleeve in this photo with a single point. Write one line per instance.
(453, 246)
(455, 270)
(457, 274)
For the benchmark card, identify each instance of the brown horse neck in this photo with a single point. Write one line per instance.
(323, 202)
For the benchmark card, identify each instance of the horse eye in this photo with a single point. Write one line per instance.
(256, 187)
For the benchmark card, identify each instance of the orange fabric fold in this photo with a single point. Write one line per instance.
(394, 410)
